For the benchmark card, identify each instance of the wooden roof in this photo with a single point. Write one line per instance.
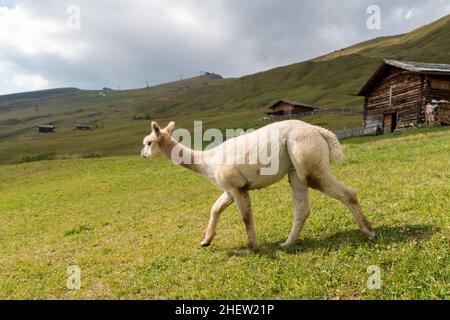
(414, 67)
(293, 103)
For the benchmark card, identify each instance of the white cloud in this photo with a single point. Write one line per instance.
(30, 34)
(30, 82)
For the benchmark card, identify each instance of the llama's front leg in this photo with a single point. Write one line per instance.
(221, 204)
(301, 207)
(242, 199)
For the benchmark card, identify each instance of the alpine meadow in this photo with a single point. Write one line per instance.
(132, 227)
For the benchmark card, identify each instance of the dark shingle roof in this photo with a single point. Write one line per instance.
(420, 67)
(294, 103)
(411, 66)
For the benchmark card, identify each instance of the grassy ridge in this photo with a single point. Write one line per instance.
(410, 46)
(133, 227)
(329, 81)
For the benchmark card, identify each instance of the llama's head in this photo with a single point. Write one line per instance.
(152, 142)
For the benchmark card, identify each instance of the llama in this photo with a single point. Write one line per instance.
(305, 154)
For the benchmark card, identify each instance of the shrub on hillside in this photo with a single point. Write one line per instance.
(38, 157)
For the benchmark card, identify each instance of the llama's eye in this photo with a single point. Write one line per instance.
(149, 144)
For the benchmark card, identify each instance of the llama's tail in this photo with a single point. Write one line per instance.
(336, 153)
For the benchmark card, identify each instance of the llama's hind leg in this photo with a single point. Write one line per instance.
(332, 187)
(301, 207)
(242, 200)
(221, 204)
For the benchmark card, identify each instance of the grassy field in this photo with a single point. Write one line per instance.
(133, 227)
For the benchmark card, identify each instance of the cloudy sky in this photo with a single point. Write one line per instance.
(124, 43)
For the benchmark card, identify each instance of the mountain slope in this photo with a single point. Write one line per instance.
(328, 81)
(36, 95)
(432, 39)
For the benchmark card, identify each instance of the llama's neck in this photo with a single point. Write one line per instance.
(168, 144)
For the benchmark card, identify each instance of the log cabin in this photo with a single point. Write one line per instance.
(46, 128)
(289, 108)
(399, 94)
(83, 127)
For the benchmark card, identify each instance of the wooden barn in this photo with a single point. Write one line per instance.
(289, 108)
(83, 127)
(46, 128)
(407, 94)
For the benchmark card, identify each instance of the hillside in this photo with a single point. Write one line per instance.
(112, 218)
(19, 99)
(328, 81)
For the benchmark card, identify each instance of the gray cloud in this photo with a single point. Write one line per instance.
(125, 43)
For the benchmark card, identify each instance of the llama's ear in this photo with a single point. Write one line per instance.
(170, 127)
(156, 129)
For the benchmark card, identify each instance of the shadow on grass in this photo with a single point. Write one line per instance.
(386, 235)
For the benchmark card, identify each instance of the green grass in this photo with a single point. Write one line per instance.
(133, 227)
(330, 81)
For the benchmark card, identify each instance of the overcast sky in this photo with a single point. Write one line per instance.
(124, 43)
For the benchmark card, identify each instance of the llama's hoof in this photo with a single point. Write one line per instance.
(287, 244)
(371, 235)
(253, 247)
(205, 244)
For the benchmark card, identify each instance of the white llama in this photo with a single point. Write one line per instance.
(305, 153)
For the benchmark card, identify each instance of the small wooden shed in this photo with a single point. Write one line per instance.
(288, 108)
(83, 127)
(46, 128)
(398, 93)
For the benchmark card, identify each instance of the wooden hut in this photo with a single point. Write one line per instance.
(398, 93)
(83, 127)
(289, 108)
(46, 128)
